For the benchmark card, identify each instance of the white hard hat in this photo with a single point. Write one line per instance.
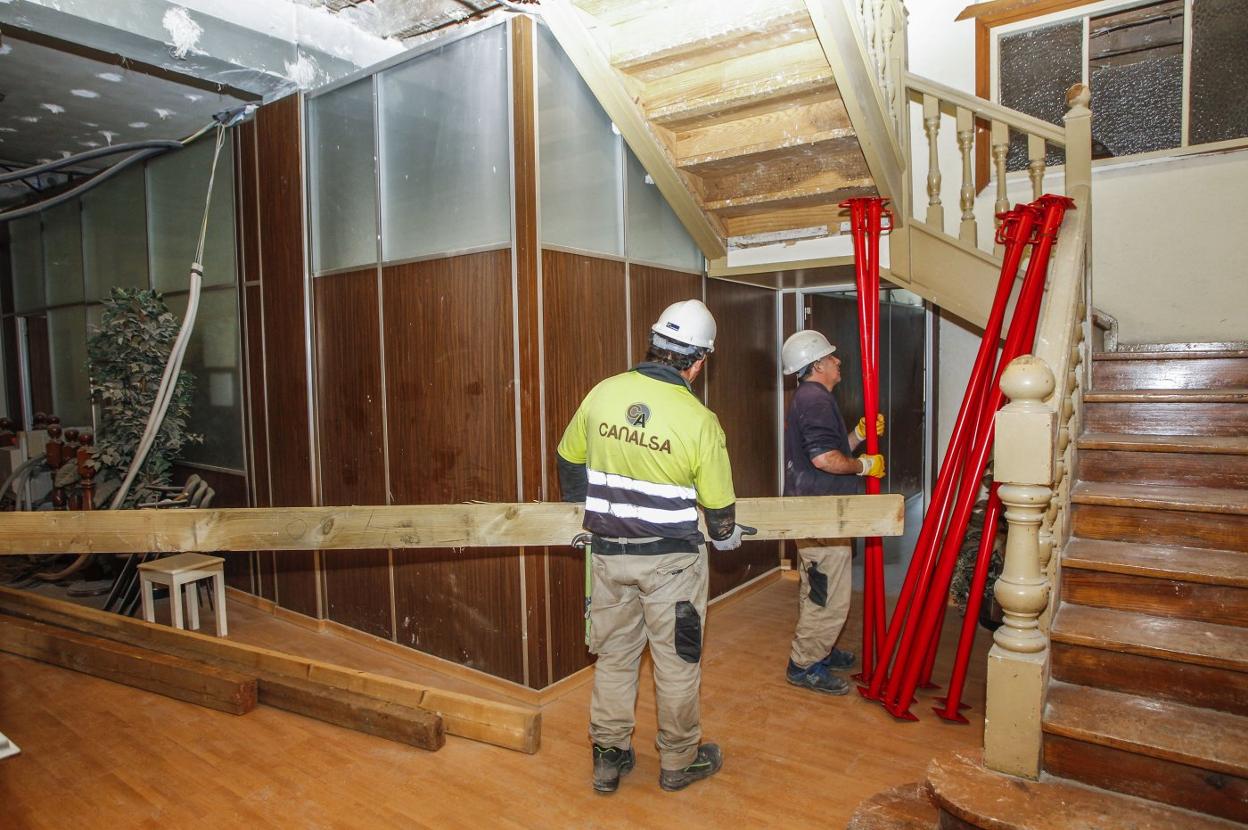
(688, 322)
(803, 349)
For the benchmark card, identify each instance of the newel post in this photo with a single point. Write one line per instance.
(1018, 661)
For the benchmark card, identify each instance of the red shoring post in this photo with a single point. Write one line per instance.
(1015, 234)
(1053, 209)
(929, 659)
(950, 705)
(876, 211)
(859, 227)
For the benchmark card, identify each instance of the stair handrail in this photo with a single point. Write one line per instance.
(917, 85)
(1034, 456)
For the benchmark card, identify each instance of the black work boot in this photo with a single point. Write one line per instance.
(706, 764)
(610, 762)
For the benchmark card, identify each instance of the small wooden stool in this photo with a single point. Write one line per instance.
(176, 571)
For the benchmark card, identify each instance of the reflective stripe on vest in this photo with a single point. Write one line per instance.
(619, 506)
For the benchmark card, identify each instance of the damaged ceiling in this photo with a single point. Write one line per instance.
(406, 19)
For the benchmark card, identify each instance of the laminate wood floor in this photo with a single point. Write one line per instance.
(97, 754)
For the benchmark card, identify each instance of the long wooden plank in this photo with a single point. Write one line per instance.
(411, 725)
(204, 685)
(501, 724)
(402, 526)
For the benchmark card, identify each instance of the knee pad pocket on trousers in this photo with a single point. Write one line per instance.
(688, 632)
(818, 585)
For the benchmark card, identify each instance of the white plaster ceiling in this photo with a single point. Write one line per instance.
(57, 104)
(404, 19)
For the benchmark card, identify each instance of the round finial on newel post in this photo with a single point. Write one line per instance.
(1079, 95)
(1027, 381)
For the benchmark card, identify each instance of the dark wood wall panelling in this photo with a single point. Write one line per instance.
(350, 436)
(741, 378)
(584, 327)
(280, 233)
(450, 400)
(229, 490)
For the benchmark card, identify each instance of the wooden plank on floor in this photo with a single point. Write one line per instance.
(501, 724)
(411, 725)
(455, 526)
(176, 677)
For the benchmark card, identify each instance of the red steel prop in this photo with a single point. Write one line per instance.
(1015, 234)
(867, 226)
(1021, 334)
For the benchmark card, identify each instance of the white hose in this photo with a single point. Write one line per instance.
(168, 381)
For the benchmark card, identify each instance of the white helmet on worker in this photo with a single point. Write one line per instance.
(803, 349)
(688, 322)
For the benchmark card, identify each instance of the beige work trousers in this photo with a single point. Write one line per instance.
(661, 600)
(826, 589)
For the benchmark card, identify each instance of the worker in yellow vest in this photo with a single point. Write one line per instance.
(643, 453)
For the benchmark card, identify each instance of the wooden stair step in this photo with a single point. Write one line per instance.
(1182, 351)
(978, 797)
(1168, 411)
(777, 123)
(682, 101)
(1205, 444)
(1185, 460)
(742, 159)
(830, 191)
(1192, 368)
(1208, 567)
(1170, 638)
(1216, 741)
(694, 33)
(1188, 499)
(905, 807)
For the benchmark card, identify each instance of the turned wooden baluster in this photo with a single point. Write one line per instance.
(1000, 149)
(86, 471)
(1035, 165)
(879, 51)
(967, 231)
(931, 126)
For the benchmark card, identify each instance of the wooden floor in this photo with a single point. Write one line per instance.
(96, 754)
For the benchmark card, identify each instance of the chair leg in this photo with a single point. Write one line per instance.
(149, 601)
(192, 605)
(219, 581)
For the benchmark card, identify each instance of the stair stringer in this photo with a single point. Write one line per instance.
(945, 271)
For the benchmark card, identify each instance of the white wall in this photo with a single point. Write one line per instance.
(1165, 233)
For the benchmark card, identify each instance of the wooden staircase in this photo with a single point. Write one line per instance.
(1146, 714)
(1149, 689)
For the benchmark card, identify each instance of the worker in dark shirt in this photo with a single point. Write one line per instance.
(819, 461)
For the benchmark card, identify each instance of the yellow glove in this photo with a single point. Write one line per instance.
(861, 429)
(872, 465)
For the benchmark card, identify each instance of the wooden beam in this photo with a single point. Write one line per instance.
(193, 682)
(501, 724)
(999, 12)
(608, 88)
(855, 78)
(410, 725)
(401, 526)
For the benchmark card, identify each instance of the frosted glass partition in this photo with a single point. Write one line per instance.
(654, 233)
(212, 357)
(445, 149)
(114, 235)
(26, 252)
(344, 178)
(62, 253)
(67, 349)
(581, 194)
(176, 186)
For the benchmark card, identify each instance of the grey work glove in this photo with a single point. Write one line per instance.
(734, 539)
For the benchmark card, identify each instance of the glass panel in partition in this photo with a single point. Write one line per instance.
(344, 178)
(26, 251)
(177, 184)
(445, 149)
(62, 253)
(212, 356)
(114, 235)
(1219, 96)
(67, 349)
(654, 233)
(581, 195)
